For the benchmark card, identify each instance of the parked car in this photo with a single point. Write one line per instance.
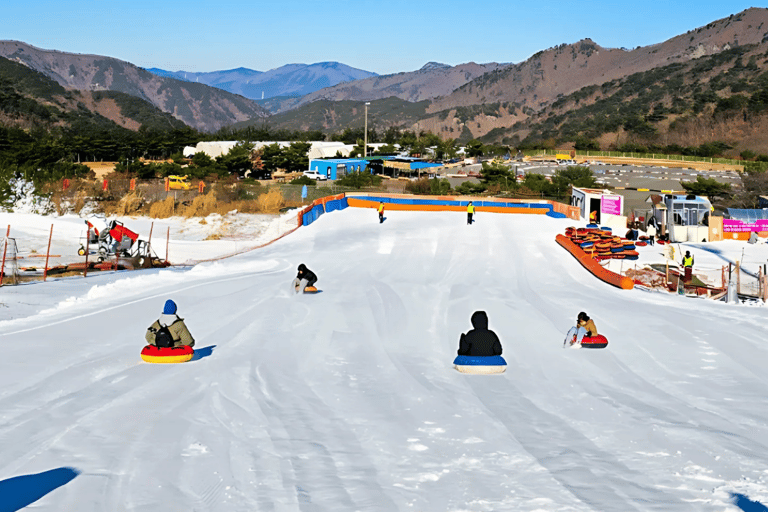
(178, 183)
(314, 175)
(260, 174)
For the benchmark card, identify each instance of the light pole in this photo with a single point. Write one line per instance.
(365, 147)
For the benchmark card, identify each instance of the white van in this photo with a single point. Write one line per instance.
(315, 175)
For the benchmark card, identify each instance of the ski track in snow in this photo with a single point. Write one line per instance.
(347, 400)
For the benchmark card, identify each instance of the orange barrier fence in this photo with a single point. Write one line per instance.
(593, 266)
(363, 203)
(360, 200)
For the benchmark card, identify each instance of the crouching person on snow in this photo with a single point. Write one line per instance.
(169, 330)
(304, 278)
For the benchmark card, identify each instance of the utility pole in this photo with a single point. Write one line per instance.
(365, 147)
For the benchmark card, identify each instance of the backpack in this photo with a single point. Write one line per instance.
(163, 338)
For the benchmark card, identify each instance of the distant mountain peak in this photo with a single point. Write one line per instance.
(429, 66)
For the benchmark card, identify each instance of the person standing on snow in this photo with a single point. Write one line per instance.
(585, 326)
(304, 278)
(688, 266)
(651, 232)
(479, 341)
(169, 323)
(470, 212)
(381, 212)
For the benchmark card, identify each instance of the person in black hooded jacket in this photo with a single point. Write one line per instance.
(304, 278)
(479, 341)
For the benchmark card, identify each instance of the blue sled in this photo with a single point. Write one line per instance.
(480, 364)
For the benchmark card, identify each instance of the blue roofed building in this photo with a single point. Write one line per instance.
(336, 168)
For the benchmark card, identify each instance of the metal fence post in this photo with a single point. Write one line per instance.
(5, 249)
(47, 255)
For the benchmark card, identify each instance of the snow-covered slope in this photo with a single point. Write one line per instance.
(346, 400)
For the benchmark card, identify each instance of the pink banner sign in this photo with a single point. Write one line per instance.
(610, 205)
(737, 226)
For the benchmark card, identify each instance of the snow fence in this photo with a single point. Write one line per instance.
(323, 205)
(452, 203)
(320, 206)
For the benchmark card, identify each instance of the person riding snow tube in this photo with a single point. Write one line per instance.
(169, 340)
(480, 349)
(584, 334)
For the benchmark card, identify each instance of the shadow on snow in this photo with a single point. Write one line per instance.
(746, 504)
(19, 491)
(203, 352)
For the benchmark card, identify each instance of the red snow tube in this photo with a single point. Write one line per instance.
(598, 341)
(152, 354)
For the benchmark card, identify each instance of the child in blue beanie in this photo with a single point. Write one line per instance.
(179, 333)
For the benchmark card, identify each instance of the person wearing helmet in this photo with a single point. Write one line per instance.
(169, 330)
(304, 278)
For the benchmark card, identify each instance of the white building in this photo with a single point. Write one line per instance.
(318, 149)
(609, 207)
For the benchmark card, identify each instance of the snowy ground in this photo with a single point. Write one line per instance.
(346, 400)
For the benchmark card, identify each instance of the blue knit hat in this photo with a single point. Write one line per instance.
(169, 308)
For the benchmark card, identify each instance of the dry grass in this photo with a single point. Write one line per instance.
(202, 206)
(130, 204)
(220, 200)
(163, 209)
(271, 202)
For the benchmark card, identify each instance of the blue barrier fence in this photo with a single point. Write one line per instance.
(336, 204)
(317, 210)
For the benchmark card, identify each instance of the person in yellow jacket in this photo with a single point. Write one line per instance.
(593, 217)
(470, 212)
(381, 212)
(688, 266)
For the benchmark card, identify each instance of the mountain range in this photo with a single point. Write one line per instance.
(289, 80)
(199, 106)
(537, 99)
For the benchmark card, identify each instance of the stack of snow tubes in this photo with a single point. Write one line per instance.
(601, 244)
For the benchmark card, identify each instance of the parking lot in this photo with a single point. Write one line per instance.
(637, 177)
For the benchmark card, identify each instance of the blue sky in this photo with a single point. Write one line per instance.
(383, 37)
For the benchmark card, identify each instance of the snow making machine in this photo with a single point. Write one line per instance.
(115, 242)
